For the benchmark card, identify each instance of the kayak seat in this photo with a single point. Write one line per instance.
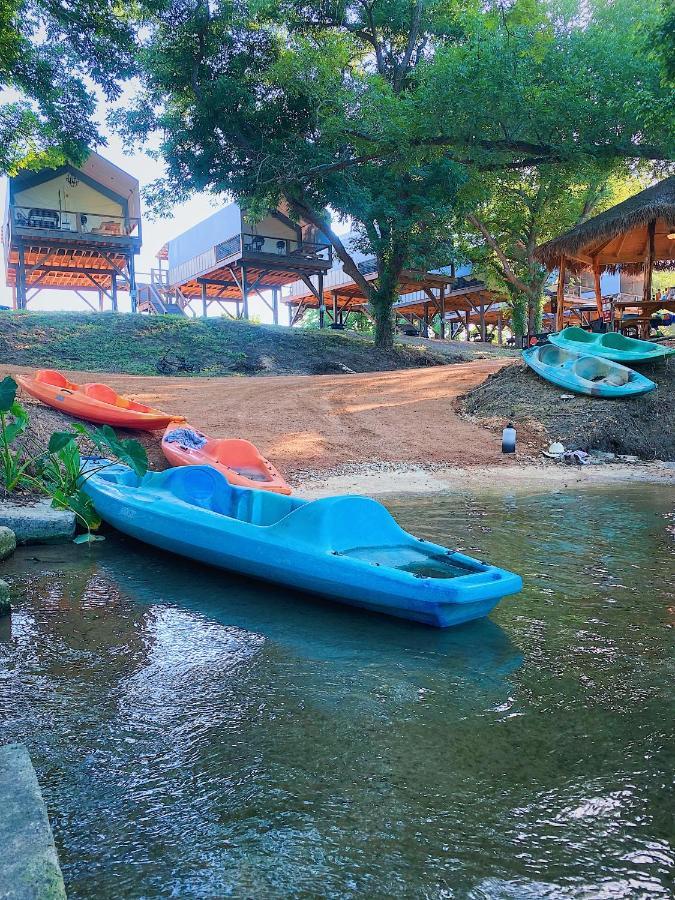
(578, 334)
(105, 394)
(616, 341)
(51, 376)
(343, 524)
(207, 488)
(102, 393)
(551, 355)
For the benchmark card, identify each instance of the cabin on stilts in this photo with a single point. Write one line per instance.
(430, 302)
(635, 237)
(228, 258)
(73, 228)
(461, 302)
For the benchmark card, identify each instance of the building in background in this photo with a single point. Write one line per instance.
(73, 228)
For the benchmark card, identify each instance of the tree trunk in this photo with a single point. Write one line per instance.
(534, 312)
(383, 296)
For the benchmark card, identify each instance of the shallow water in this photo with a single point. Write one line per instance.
(197, 735)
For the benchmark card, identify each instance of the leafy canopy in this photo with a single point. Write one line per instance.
(53, 54)
(382, 110)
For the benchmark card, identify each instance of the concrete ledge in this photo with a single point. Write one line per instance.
(37, 523)
(29, 866)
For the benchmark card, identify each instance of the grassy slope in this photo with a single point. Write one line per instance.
(151, 345)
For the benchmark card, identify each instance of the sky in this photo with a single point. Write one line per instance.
(155, 234)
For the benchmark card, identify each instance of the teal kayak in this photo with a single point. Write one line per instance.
(585, 374)
(610, 345)
(348, 549)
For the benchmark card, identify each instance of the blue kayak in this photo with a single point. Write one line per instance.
(610, 345)
(585, 374)
(348, 549)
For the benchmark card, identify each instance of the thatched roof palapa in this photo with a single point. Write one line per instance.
(620, 235)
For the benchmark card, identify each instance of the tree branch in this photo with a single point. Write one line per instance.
(321, 221)
(508, 272)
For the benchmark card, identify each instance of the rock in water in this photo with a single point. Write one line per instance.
(7, 542)
(5, 605)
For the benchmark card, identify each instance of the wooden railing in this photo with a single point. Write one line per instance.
(65, 222)
(262, 244)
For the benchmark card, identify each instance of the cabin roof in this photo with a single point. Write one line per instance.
(96, 169)
(618, 236)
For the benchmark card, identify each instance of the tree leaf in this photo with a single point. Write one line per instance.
(134, 455)
(88, 538)
(8, 389)
(59, 440)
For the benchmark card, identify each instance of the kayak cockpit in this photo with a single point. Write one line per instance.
(416, 560)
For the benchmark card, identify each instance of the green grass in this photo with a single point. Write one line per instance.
(151, 345)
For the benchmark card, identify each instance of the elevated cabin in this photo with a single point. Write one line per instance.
(75, 228)
(227, 258)
(424, 295)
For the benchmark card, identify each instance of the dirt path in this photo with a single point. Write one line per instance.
(319, 422)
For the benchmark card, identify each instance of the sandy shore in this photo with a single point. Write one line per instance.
(320, 422)
(517, 478)
(373, 433)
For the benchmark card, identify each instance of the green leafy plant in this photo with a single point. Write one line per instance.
(13, 422)
(64, 470)
(61, 470)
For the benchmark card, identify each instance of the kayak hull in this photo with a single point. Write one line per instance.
(92, 402)
(348, 549)
(239, 461)
(586, 374)
(610, 345)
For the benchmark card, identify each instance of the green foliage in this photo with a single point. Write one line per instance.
(383, 111)
(513, 212)
(13, 422)
(52, 53)
(60, 470)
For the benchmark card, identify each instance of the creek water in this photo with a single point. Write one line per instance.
(199, 735)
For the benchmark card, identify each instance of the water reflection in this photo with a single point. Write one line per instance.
(201, 736)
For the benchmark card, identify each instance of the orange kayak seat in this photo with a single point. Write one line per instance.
(57, 379)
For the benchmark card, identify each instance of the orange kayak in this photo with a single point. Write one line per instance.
(93, 402)
(239, 461)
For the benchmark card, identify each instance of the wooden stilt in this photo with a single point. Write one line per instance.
(113, 294)
(483, 331)
(244, 292)
(21, 292)
(649, 271)
(500, 330)
(442, 311)
(649, 262)
(322, 303)
(133, 293)
(205, 301)
(275, 305)
(560, 313)
(598, 288)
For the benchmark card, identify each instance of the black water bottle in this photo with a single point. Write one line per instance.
(509, 439)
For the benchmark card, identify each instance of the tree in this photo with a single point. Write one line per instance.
(50, 50)
(516, 211)
(381, 110)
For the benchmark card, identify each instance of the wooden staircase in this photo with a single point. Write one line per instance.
(158, 299)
